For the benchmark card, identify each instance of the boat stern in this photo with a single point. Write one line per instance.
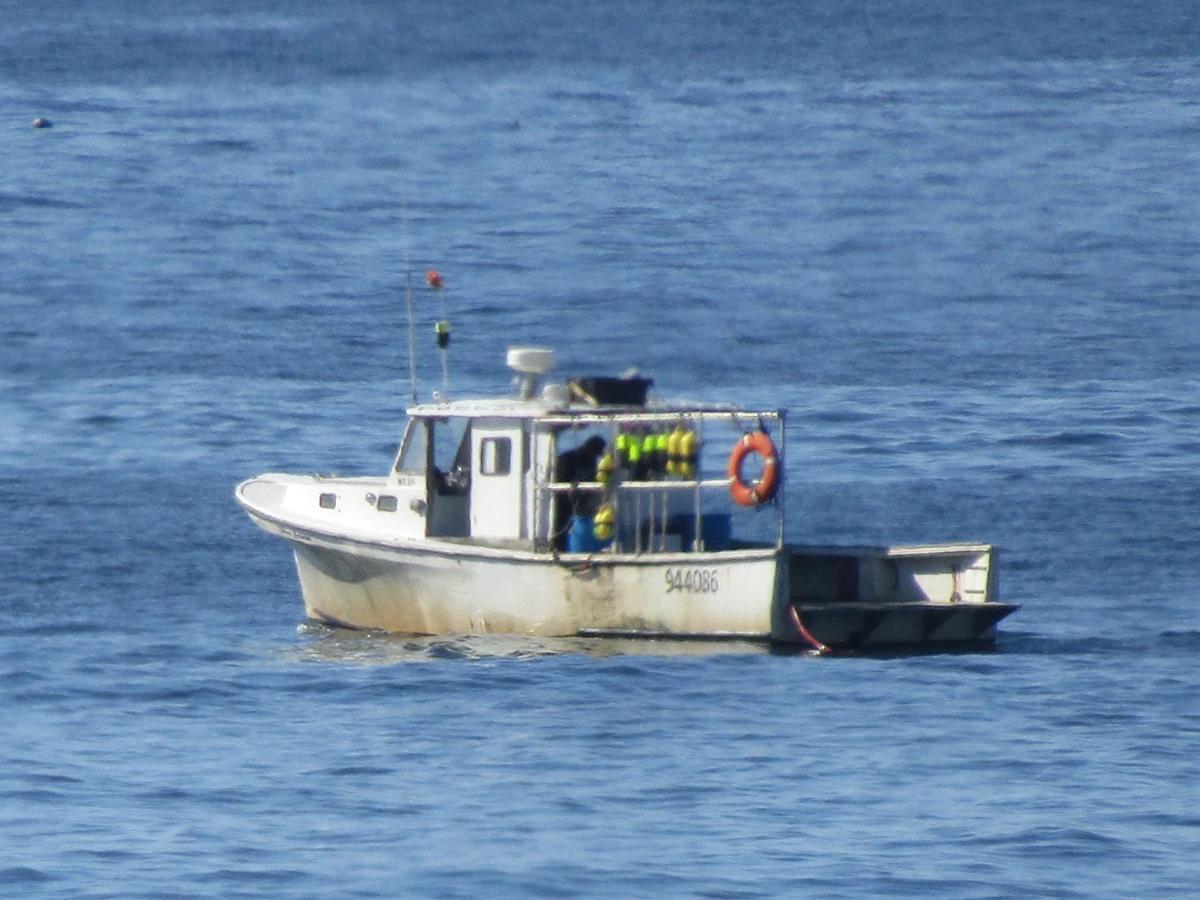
(869, 597)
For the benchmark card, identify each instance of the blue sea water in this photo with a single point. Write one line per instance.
(958, 241)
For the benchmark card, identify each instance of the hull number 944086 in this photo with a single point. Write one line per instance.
(692, 581)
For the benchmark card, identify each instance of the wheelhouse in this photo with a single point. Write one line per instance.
(562, 480)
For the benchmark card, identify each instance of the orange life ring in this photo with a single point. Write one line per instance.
(761, 491)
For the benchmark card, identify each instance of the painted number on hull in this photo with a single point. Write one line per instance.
(692, 581)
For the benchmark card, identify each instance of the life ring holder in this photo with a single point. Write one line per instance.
(754, 493)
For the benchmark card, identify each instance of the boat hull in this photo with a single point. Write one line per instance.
(454, 591)
(741, 594)
(858, 626)
(355, 572)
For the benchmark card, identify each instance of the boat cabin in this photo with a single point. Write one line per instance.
(583, 467)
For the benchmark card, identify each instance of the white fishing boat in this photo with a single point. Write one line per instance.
(584, 507)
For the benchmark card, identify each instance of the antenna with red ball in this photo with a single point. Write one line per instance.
(441, 328)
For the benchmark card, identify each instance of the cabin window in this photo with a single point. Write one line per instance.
(495, 456)
(386, 503)
(328, 501)
(412, 448)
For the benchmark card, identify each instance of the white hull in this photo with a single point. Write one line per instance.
(445, 587)
(450, 587)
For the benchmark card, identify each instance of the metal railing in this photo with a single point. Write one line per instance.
(642, 510)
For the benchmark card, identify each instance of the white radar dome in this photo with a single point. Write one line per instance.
(530, 360)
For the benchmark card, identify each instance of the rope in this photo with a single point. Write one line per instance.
(820, 648)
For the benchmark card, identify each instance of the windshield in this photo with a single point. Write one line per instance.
(412, 448)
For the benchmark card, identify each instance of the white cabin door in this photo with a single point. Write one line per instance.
(497, 495)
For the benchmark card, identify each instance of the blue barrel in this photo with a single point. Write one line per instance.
(581, 538)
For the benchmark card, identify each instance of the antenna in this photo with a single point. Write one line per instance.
(441, 328)
(408, 302)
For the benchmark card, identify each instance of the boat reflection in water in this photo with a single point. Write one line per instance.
(340, 645)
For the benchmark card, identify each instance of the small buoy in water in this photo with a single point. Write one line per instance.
(39, 122)
(433, 279)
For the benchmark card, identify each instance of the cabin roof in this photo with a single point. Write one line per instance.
(513, 408)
